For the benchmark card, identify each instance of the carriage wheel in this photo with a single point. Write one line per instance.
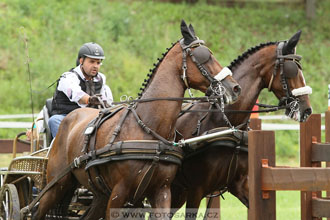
(9, 203)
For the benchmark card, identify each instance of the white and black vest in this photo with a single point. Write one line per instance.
(61, 103)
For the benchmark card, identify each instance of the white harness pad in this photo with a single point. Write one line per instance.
(302, 91)
(223, 74)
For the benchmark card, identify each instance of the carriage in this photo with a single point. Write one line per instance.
(25, 177)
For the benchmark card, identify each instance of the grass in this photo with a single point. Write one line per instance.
(5, 159)
(287, 207)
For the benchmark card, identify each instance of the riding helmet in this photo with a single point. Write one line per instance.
(91, 50)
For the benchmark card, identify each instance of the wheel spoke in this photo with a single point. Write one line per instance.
(9, 203)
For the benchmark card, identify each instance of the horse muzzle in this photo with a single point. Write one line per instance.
(298, 109)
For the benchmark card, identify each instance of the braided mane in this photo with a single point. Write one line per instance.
(153, 71)
(247, 53)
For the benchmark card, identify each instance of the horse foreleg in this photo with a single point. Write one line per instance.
(118, 198)
(97, 208)
(193, 201)
(178, 198)
(52, 197)
(161, 204)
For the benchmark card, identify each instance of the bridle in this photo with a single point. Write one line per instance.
(289, 67)
(199, 56)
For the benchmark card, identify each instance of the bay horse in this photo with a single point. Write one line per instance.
(272, 65)
(188, 63)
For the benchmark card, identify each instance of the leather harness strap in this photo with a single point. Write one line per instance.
(90, 131)
(99, 179)
(199, 122)
(144, 183)
(149, 130)
(48, 186)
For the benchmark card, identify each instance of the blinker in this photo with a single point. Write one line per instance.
(290, 69)
(202, 54)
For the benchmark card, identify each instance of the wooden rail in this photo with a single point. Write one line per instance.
(310, 178)
(6, 146)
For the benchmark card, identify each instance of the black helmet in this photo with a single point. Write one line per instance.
(91, 50)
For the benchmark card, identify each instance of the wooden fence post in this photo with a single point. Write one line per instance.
(327, 135)
(261, 146)
(309, 131)
(255, 123)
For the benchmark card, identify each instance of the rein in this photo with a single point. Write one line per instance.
(128, 100)
(269, 109)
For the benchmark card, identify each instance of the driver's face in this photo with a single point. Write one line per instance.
(90, 66)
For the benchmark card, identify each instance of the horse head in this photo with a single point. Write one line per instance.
(201, 63)
(287, 80)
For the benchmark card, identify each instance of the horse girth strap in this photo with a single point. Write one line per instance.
(133, 150)
(144, 183)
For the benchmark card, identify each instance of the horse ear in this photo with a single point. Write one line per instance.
(186, 33)
(291, 44)
(191, 28)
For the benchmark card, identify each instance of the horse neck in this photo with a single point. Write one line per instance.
(161, 116)
(251, 74)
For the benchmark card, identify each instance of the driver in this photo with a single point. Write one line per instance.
(82, 86)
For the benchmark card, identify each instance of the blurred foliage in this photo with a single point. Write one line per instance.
(135, 33)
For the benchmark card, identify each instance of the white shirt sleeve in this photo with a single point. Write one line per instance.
(69, 85)
(106, 91)
(107, 94)
(39, 122)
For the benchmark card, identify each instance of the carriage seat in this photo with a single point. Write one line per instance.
(46, 114)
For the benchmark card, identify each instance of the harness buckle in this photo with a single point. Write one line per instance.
(76, 162)
(156, 157)
(218, 89)
(237, 149)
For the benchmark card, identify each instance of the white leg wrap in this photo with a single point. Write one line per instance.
(223, 74)
(302, 91)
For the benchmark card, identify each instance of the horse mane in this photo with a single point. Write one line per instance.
(153, 71)
(247, 53)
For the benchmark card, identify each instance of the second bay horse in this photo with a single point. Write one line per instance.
(272, 65)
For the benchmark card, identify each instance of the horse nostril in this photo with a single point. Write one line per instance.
(237, 89)
(308, 112)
